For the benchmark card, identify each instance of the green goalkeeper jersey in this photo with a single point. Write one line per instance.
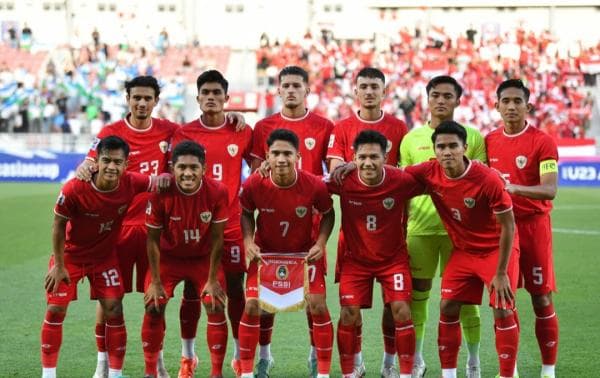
(417, 147)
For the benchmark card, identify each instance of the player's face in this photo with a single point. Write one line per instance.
(449, 151)
(282, 158)
(442, 100)
(111, 165)
(512, 105)
(141, 101)
(212, 98)
(369, 91)
(188, 173)
(369, 159)
(292, 90)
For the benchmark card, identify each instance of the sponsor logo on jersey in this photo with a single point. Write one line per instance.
(163, 146)
(301, 211)
(310, 143)
(521, 161)
(93, 215)
(388, 146)
(267, 210)
(282, 272)
(469, 202)
(388, 203)
(355, 203)
(494, 160)
(61, 199)
(175, 218)
(122, 209)
(232, 149)
(206, 216)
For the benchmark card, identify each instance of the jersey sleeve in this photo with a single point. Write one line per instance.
(413, 187)
(66, 203)
(247, 153)
(498, 198)
(221, 206)
(258, 142)
(337, 143)
(405, 158)
(547, 149)
(329, 127)
(154, 211)
(140, 182)
(322, 201)
(420, 172)
(477, 146)
(332, 187)
(92, 153)
(246, 200)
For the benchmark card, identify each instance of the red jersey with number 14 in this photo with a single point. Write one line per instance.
(95, 216)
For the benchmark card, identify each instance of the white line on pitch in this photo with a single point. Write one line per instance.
(575, 232)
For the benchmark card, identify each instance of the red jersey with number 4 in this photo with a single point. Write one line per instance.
(345, 131)
(284, 222)
(95, 216)
(313, 133)
(371, 215)
(147, 155)
(467, 204)
(518, 158)
(226, 149)
(185, 219)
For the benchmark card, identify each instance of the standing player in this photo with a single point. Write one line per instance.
(313, 133)
(428, 240)
(369, 90)
(477, 212)
(284, 200)
(527, 158)
(372, 201)
(226, 149)
(185, 241)
(88, 217)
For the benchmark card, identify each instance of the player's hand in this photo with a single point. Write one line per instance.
(54, 277)
(510, 188)
(503, 293)
(314, 253)
(340, 172)
(163, 182)
(237, 119)
(154, 294)
(85, 170)
(215, 291)
(253, 252)
(264, 169)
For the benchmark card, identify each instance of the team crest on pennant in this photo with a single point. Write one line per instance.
(301, 211)
(164, 146)
(232, 149)
(388, 203)
(122, 209)
(310, 143)
(521, 161)
(282, 272)
(206, 216)
(388, 146)
(469, 202)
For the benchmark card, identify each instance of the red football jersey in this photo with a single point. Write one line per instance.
(467, 204)
(147, 155)
(518, 157)
(313, 133)
(371, 215)
(95, 216)
(185, 219)
(225, 151)
(284, 222)
(345, 131)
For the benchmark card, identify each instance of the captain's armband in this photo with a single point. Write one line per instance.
(548, 166)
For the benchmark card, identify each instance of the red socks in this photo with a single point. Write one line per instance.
(249, 333)
(346, 338)
(449, 337)
(51, 338)
(116, 341)
(507, 341)
(152, 338)
(358, 336)
(323, 337)
(389, 336)
(309, 320)
(216, 337)
(189, 315)
(266, 328)
(405, 344)
(235, 308)
(546, 331)
(100, 337)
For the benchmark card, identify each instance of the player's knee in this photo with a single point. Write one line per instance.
(217, 308)
(112, 308)
(400, 311)
(349, 315)
(153, 310)
(421, 284)
(235, 285)
(317, 306)
(450, 307)
(252, 308)
(542, 300)
(56, 309)
(500, 313)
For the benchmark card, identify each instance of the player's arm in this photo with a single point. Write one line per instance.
(58, 272)
(155, 291)
(237, 119)
(547, 188)
(325, 228)
(212, 287)
(501, 281)
(248, 227)
(86, 169)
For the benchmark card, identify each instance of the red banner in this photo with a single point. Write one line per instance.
(282, 282)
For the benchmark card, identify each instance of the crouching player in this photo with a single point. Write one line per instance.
(185, 240)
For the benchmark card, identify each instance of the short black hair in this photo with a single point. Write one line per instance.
(444, 79)
(212, 76)
(294, 70)
(187, 147)
(143, 81)
(371, 73)
(370, 137)
(450, 127)
(112, 143)
(284, 135)
(513, 83)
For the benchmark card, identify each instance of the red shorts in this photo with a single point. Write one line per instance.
(316, 279)
(131, 252)
(467, 273)
(536, 262)
(356, 282)
(316, 226)
(233, 259)
(339, 257)
(104, 277)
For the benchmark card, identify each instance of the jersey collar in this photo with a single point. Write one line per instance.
(372, 186)
(517, 134)
(189, 194)
(357, 114)
(295, 119)
(126, 119)
(202, 124)
(469, 165)
(285, 187)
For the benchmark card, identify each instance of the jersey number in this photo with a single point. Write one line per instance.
(235, 254)
(193, 234)
(399, 282)
(217, 172)
(285, 227)
(150, 167)
(456, 214)
(371, 223)
(111, 277)
(312, 272)
(538, 278)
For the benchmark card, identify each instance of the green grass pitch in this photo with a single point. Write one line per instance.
(25, 239)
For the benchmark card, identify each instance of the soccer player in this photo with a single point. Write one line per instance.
(372, 202)
(226, 149)
(369, 90)
(285, 200)
(477, 212)
(185, 242)
(428, 241)
(527, 158)
(88, 217)
(313, 132)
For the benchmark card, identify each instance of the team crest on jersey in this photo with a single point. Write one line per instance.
(310, 143)
(206, 216)
(122, 209)
(521, 161)
(388, 203)
(469, 202)
(61, 199)
(232, 149)
(282, 272)
(164, 146)
(301, 211)
(388, 146)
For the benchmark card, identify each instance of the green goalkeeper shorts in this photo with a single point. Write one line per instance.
(425, 252)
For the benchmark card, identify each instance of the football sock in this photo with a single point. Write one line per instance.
(547, 370)
(249, 334)
(346, 337)
(389, 335)
(116, 341)
(235, 308)
(309, 320)
(546, 332)
(419, 309)
(449, 373)
(152, 337)
(115, 373)
(266, 331)
(264, 351)
(405, 342)
(323, 336)
(51, 338)
(100, 338)
(470, 321)
(236, 348)
(448, 341)
(189, 315)
(216, 336)
(188, 348)
(389, 359)
(358, 357)
(49, 372)
(507, 341)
